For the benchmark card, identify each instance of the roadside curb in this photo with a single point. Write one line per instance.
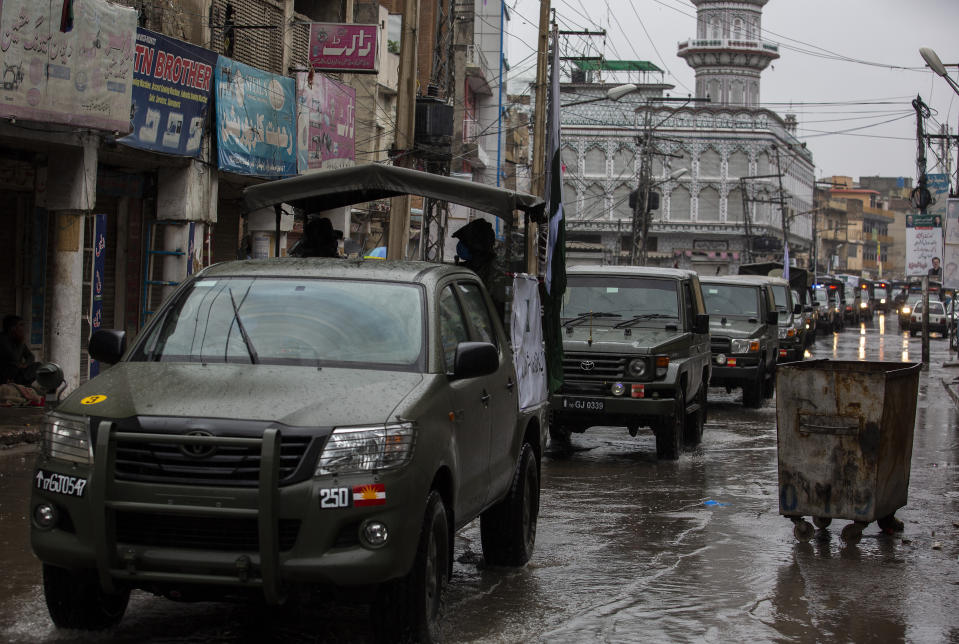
(951, 391)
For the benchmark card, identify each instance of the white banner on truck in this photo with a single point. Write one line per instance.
(526, 331)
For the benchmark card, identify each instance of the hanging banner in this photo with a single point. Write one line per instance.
(923, 242)
(255, 120)
(172, 84)
(526, 332)
(325, 113)
(344, 47)
(68, 63)
(99, 264)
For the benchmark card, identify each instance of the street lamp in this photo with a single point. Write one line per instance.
(612, 94)
(935, 64)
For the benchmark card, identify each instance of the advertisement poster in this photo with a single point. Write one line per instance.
(255, 120)
(938, 186)
(99, 264)
(339, 47)
(73, 68)
(526, 332)
(923, 242)
(172, 85)
(325, 113)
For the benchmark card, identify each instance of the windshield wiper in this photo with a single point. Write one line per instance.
(646, 316)
(586, 316)
(246, 338)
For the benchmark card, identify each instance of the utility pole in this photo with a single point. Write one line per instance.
(538, 165)
(641, 210)
(405, 124)
(921, 195)
(782, 207)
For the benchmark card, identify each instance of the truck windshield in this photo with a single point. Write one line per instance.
(310, 322)
(626, 297)
(730, 300)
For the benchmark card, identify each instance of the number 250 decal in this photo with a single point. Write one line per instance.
(336, 497)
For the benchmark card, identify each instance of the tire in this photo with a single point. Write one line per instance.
(75, 600)
(769, 385)
(408, 609)
(559, 436)
(669, 433)
(508, 529)
(753, 394)
(693, 426)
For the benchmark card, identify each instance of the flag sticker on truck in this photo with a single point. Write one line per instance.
(373, 494)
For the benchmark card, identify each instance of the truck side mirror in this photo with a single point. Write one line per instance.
(772, 317)
(701, 323)
(797, 309)
(108, 345)
(474, 359)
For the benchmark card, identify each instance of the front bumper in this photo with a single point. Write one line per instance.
(590, 410)
(263, 538)
(743, 372)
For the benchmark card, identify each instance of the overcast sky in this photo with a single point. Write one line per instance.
(848, 66)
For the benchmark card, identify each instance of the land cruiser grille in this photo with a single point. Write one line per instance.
(597, 367)
(227, 466)
(201, 533)
(719, 345)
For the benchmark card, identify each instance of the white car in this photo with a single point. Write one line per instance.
(938, 321)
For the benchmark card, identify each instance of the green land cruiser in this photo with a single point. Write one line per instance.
(743, 325)
(290, 425)
(635, 354)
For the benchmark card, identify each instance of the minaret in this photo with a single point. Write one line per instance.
(728, 53)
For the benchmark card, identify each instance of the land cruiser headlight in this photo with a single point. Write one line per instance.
(67, 438)
(864, 305)
(744, 346)
(363, 449)
(906, 310)
(782, 332)
(637, 368)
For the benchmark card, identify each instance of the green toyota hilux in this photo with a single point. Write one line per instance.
(283, 426)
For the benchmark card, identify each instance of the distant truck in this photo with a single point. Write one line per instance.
(636, 354)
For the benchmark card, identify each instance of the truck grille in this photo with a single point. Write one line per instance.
(596, 367)
(719, 345)
(226, 466)
(200, 533)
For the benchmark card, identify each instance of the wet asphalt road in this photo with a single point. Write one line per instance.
(630, 549)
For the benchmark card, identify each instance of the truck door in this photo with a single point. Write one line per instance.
(470, 398)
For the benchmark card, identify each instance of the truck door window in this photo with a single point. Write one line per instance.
(452, 326)
(476, 311)
(689, 305)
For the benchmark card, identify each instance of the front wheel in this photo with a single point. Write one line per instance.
(408, 609)
(76, 601)
(508, 529)
(669, 433)
(693, 428)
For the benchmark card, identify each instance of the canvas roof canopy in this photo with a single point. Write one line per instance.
(318, 191)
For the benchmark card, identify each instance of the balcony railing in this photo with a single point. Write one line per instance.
(729, 43)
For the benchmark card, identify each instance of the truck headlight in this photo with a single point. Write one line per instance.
(363, 449)
(67, 438)
(906, 310)
(637, 368)
(744, 346)
(864, 305)
(782, 332)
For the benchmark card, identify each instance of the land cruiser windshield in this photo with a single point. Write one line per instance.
(731, 301)
(309, 322)
(642, 301)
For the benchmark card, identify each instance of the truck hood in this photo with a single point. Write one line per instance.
(734, 327)
(298, 396)
(606, 339)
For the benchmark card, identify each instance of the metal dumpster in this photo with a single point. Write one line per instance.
(845, 442)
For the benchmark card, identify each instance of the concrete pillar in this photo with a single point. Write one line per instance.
(75, 170)
(67, 295)
(262, 227)
(184, 195)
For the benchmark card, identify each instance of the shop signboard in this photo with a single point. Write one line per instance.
(325, 113)
(344, 47)
(72, 67)
(255, 120)
(172, 84)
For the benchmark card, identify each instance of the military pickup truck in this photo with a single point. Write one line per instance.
(743, 325)
(283, 426)
(636, 354)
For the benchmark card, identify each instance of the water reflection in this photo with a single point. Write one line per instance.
(862, 344)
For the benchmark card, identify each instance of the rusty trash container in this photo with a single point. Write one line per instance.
(845, 442)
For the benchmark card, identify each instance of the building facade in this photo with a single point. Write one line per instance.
(731, 176)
